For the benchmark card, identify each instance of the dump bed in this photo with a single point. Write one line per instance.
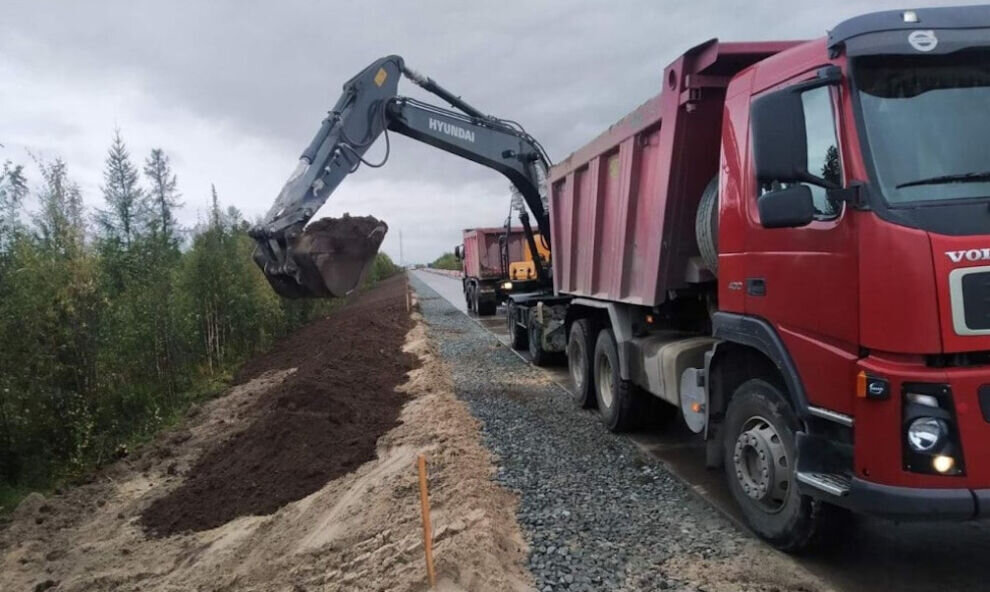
(482, 255)
(622, 208)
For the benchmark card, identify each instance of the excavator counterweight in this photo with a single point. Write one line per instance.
(330, 257)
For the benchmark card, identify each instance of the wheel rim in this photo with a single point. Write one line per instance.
(761, 464)
(576, 361)
(606, 383)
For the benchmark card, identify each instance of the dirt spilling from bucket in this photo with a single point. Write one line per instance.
(320, 423)
(333, 255)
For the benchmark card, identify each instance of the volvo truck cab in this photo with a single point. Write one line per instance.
(861, 238)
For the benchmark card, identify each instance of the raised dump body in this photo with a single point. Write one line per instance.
(483, 255)
(622, 208)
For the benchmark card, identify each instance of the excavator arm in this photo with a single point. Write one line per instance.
(298, 265)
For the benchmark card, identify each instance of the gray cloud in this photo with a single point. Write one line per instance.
(234, 90)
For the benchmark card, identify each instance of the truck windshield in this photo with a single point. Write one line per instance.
(927, 122)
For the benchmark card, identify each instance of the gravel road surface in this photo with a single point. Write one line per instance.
(597, 512)
(876, 555)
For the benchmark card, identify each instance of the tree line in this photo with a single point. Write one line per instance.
(115, 320)
(447, 261)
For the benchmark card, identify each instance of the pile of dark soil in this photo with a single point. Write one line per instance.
(322, 422)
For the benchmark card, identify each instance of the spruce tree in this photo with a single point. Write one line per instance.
(161, 254)
(163, 197)
(121, 221)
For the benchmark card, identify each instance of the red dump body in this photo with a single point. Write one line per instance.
(622, 207)
(482, 256)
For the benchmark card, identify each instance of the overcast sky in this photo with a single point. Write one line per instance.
(233, 91)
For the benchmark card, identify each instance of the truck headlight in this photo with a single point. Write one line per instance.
(506, 285)
(925, 434)
(931, 442)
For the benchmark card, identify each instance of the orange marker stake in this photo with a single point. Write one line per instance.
(424, 499)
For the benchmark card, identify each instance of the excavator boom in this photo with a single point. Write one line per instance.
(319, 261)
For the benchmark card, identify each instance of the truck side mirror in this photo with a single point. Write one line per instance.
(780, 147)
(789, 207)
(458, 253)
(780, 144)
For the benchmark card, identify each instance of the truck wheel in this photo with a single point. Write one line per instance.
(518, 335)
(474, 298)
(535, 344)
(619, 401)
(469, 297)
(486, 308)
(580, 357)
(706, 225)
(760, 460)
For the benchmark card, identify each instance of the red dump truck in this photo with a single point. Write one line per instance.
(486, 255)
(790, 246)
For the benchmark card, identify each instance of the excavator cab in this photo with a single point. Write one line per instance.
(527, 270)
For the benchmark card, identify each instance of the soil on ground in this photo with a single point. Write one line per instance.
(322, 422)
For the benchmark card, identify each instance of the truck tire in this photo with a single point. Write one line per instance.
(486, 307)
(469, 297)
(540, 356)
(620, 402)
(518, 335)
(706, 225)
(760, 460)
(580, 358)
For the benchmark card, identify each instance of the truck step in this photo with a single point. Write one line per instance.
(835, 484)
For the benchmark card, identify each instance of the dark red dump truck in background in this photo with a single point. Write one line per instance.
(486, 255)
(790, 246)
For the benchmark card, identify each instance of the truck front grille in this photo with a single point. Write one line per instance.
(976, 300)
(969, 294)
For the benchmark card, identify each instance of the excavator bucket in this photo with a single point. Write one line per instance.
(329, 259)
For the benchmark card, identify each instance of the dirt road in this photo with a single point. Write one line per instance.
(300, 478)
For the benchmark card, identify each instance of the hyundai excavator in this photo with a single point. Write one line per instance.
(300, 262)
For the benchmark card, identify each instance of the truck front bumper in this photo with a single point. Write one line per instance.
(912, 503)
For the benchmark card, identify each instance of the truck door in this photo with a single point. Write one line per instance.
(803, 280)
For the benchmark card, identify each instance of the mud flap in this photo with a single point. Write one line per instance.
(328, 259)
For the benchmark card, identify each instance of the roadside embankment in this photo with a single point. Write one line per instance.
(348, 518)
